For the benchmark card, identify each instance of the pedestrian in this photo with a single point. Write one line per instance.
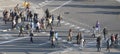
(52, 37)
(5, 15)
(116, 39)
(82, 43)
(94, 32)
(52, 19)
(49, 22)
(51, 33)
(97, 26)
(28, 27)
(112, 40)
(56, 36)
(108, 45)
(105, 32)
(79, 37)
(21, 29)
(38, 27)
(98, 43)
(31, 36)
(59, 18)
(43, 24)
(30, 16)
(70, 35)
(47, 13)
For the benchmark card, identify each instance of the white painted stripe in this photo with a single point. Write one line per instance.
(72, 25)
(44, 43)
(81, 29)
(64, 40)
(67, 23)
(61, 6)
(77, 27)
(19, 38)
(70, 42)
(118, 0)
(87, 31)
(43, 32)
(75, 45)
(62, 21)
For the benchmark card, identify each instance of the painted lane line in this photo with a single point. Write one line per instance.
(61, 6)
(87, 31)
(82, 29)
(45, 3)
(118, 0)
(13, 40)
(44, 43)
(77, 27)
(64, 40)
(62, 21)
(67, 23)
(43, 32)
(72, 25)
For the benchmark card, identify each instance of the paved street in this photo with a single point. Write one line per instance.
(79, 15)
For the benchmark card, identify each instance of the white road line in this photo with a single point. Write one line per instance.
(118, 0)
(61, 6)
(77, 27)
(72, 25)
(14, 40)
(44, 43)
(62, 21)
(87, 31)
(64, 40)
(45, 3)
(67, 23)
(43, 32)
(81, 29)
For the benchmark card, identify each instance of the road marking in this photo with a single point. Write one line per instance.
(45, 3)
(81, 29)
(72, 25)
(61, 6)
(62, 21)
(87, 31)
(44, 43)
(118, 0)
(77, 27)
(19, 38)
(64, 40)
(67, 23)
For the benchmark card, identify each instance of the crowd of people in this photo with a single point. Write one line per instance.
(18, 18)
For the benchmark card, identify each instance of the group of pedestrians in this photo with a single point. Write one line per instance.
(18, 17)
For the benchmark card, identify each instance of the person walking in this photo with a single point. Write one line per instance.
(108, 45)
(116, 39)
(70, 35)
(105, 32)
(59, 18)
(52, 37)
(97, 26)
(47, 13)
(112, 40)
(94, 32)
(31, 36)
(52, 19)
(79, 37)
(98, 43)
(21, 31)
(49, 22)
